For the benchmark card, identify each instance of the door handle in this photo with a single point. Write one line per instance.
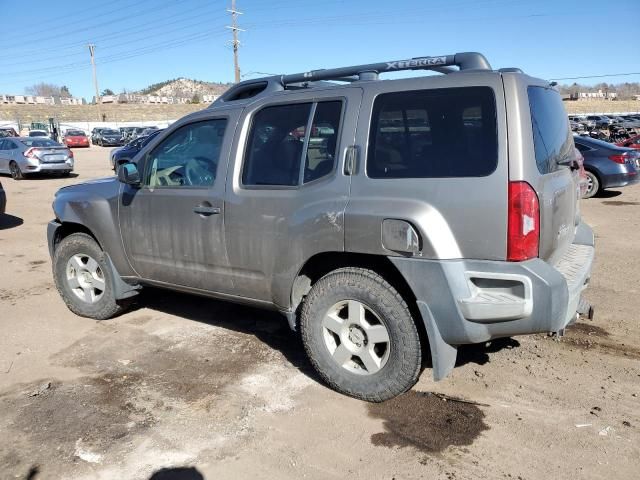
(205, 210)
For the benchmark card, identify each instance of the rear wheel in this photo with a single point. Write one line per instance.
(360, 336)
(83, 277)
(16, 173)
(593, 185)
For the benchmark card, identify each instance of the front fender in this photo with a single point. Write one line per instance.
(94, 206)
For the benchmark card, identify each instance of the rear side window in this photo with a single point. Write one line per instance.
(275, 145)
(279, 143)
(449, 132)
(552, 138)
(323, 140)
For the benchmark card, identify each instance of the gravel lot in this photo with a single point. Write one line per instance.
(214, 390)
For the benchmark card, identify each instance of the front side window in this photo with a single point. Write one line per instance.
(552, 137)
(436, 133)
(188, 157)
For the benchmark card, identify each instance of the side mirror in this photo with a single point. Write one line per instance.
(128, 173)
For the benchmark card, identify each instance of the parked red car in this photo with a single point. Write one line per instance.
(633, 142)
(75, 138)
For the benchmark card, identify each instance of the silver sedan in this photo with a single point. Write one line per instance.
(20, 156)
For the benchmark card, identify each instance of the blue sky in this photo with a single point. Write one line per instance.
(143, 42)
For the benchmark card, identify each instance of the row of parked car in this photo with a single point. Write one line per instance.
(111, 137)
(590, 122)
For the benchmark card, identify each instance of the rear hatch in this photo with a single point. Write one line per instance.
(556, 182)
(540, 150)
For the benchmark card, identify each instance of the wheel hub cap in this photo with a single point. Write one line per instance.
(85, 278)
(356, 337)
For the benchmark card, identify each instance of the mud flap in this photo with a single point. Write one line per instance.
(121, 289)
(443, 355)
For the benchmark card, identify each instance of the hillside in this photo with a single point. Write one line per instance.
(185, 87)
(89, 113)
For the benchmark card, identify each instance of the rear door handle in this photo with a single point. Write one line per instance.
(206, 210)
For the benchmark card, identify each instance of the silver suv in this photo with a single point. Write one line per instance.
(381, 217)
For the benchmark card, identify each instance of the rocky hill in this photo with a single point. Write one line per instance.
(185, 87)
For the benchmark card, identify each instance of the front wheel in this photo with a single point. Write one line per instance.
(593, 185)
(83, 277)
(360, 336)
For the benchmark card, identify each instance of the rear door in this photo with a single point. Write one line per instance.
(287, 191)
(4, 155)
(540, 141)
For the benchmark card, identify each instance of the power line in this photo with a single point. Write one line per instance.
(598, 76)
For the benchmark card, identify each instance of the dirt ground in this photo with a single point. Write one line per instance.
(192, 388)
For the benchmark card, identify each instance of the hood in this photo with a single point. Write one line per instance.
(100, 183)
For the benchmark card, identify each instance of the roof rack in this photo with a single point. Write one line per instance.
(467, 61)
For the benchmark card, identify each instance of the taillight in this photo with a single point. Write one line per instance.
(622, 159)
(70, 154)
(31, 153)
(523, 231)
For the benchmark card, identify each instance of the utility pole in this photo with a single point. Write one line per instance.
(92, 49)
(235, 43)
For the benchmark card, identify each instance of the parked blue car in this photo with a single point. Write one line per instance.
(607, 165)
(130, 149)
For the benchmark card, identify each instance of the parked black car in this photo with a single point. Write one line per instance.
(110, 137)
(95, 134)
(607, 165)
(602, 121)
(3, 200)
(130, 149)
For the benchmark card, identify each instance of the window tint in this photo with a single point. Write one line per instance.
(552, 138)
(323, 141)
(433, 133)
(188, 157)
(275, 145)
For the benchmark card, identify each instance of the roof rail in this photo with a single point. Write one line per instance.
(464, 61)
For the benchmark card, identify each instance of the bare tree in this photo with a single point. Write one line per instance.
(43, 89)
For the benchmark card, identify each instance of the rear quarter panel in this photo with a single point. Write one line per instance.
(461, 217)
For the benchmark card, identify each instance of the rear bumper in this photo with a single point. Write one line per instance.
(49, 167)
(620, 179)
(473, 301)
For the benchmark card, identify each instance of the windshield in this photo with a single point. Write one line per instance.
(40, 142)
(75, 133)
(37, 134)
(110, 132)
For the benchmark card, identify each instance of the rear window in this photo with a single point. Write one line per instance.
(75, 133)
(449, 132)
(39, 142)
(552, 137)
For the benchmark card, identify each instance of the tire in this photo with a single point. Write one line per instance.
(16, 173)
(593, 187)
(349, 361)
(68, 263)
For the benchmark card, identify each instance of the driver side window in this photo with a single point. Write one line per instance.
(188, 157)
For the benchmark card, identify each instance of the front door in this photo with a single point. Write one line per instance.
(172, 226)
